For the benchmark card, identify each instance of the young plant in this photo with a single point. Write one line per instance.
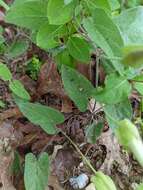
(74, 30)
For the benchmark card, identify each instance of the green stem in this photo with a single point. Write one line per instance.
(4, 5)
(85, 160)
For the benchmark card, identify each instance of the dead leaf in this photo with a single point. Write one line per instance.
(64, 163)
(54, 183)
(49, 81)
(113, 153)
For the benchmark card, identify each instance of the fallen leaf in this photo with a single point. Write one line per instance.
(49, 81)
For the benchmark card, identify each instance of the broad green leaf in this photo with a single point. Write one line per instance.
(105, 34)
(140, 187)
(64, 58)
(18, 89)
(117, 89)
(129, 137)
(79, 49)
(103, 182)
(92, 4)
(29, 14)
(139, 78)
(59, 12)
(114, 4)
(117, 112)
(77, 87)
(130, 23)
(47, 118)
(139, 87)
(133, 56)
(5, 73)
(2, 104)
(110, 5)
(48, 36)
(36, 172)
(93, 131)
(17, 48)
(67, 1)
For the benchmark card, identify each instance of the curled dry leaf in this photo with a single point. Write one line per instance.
(64, 162)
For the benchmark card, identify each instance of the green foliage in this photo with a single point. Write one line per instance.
(105, 34)
(130, 23)
(128, 135)
(107, 95)
(47, 118)
(72, 30)
(17, 48)
(93, 131)
(77, 87)
(48, 36)
(33, 67)
(18, 89)
(36, 171)
(79, 49)
(29, 14)
(2, 104)
(102, 181)
(1, 36)
(140, 187)
(59, 12)
(5, 73)
(117, 112)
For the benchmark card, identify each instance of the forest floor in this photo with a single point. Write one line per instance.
(23, 137)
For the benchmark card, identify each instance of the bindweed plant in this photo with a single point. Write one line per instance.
(72, 31)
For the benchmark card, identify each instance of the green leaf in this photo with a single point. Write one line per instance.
(133, 56)
(114, 4)
(36, 172)
(117, 112)
(48, 36)
(5, 73)
(47, 118)
(93, 131)
(64, 58)
(16, 166)
(103, 182)
(2, 104)
(139, 87)
(109, 5)
(79, 48)
(67, 1)
(77, 87)
(59, 12)
(117, 88)
(18, 89)
(29, 14)
(130, 23)
(140, 187)
(105, 34)
(17, 48)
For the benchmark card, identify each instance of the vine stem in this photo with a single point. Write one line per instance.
(85, 160)
(4, 5)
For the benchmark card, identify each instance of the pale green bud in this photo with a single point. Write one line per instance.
(129, 137)
(103, 182)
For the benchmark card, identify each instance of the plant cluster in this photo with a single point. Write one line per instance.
(71, 31)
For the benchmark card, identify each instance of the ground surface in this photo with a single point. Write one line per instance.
(20, 135)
